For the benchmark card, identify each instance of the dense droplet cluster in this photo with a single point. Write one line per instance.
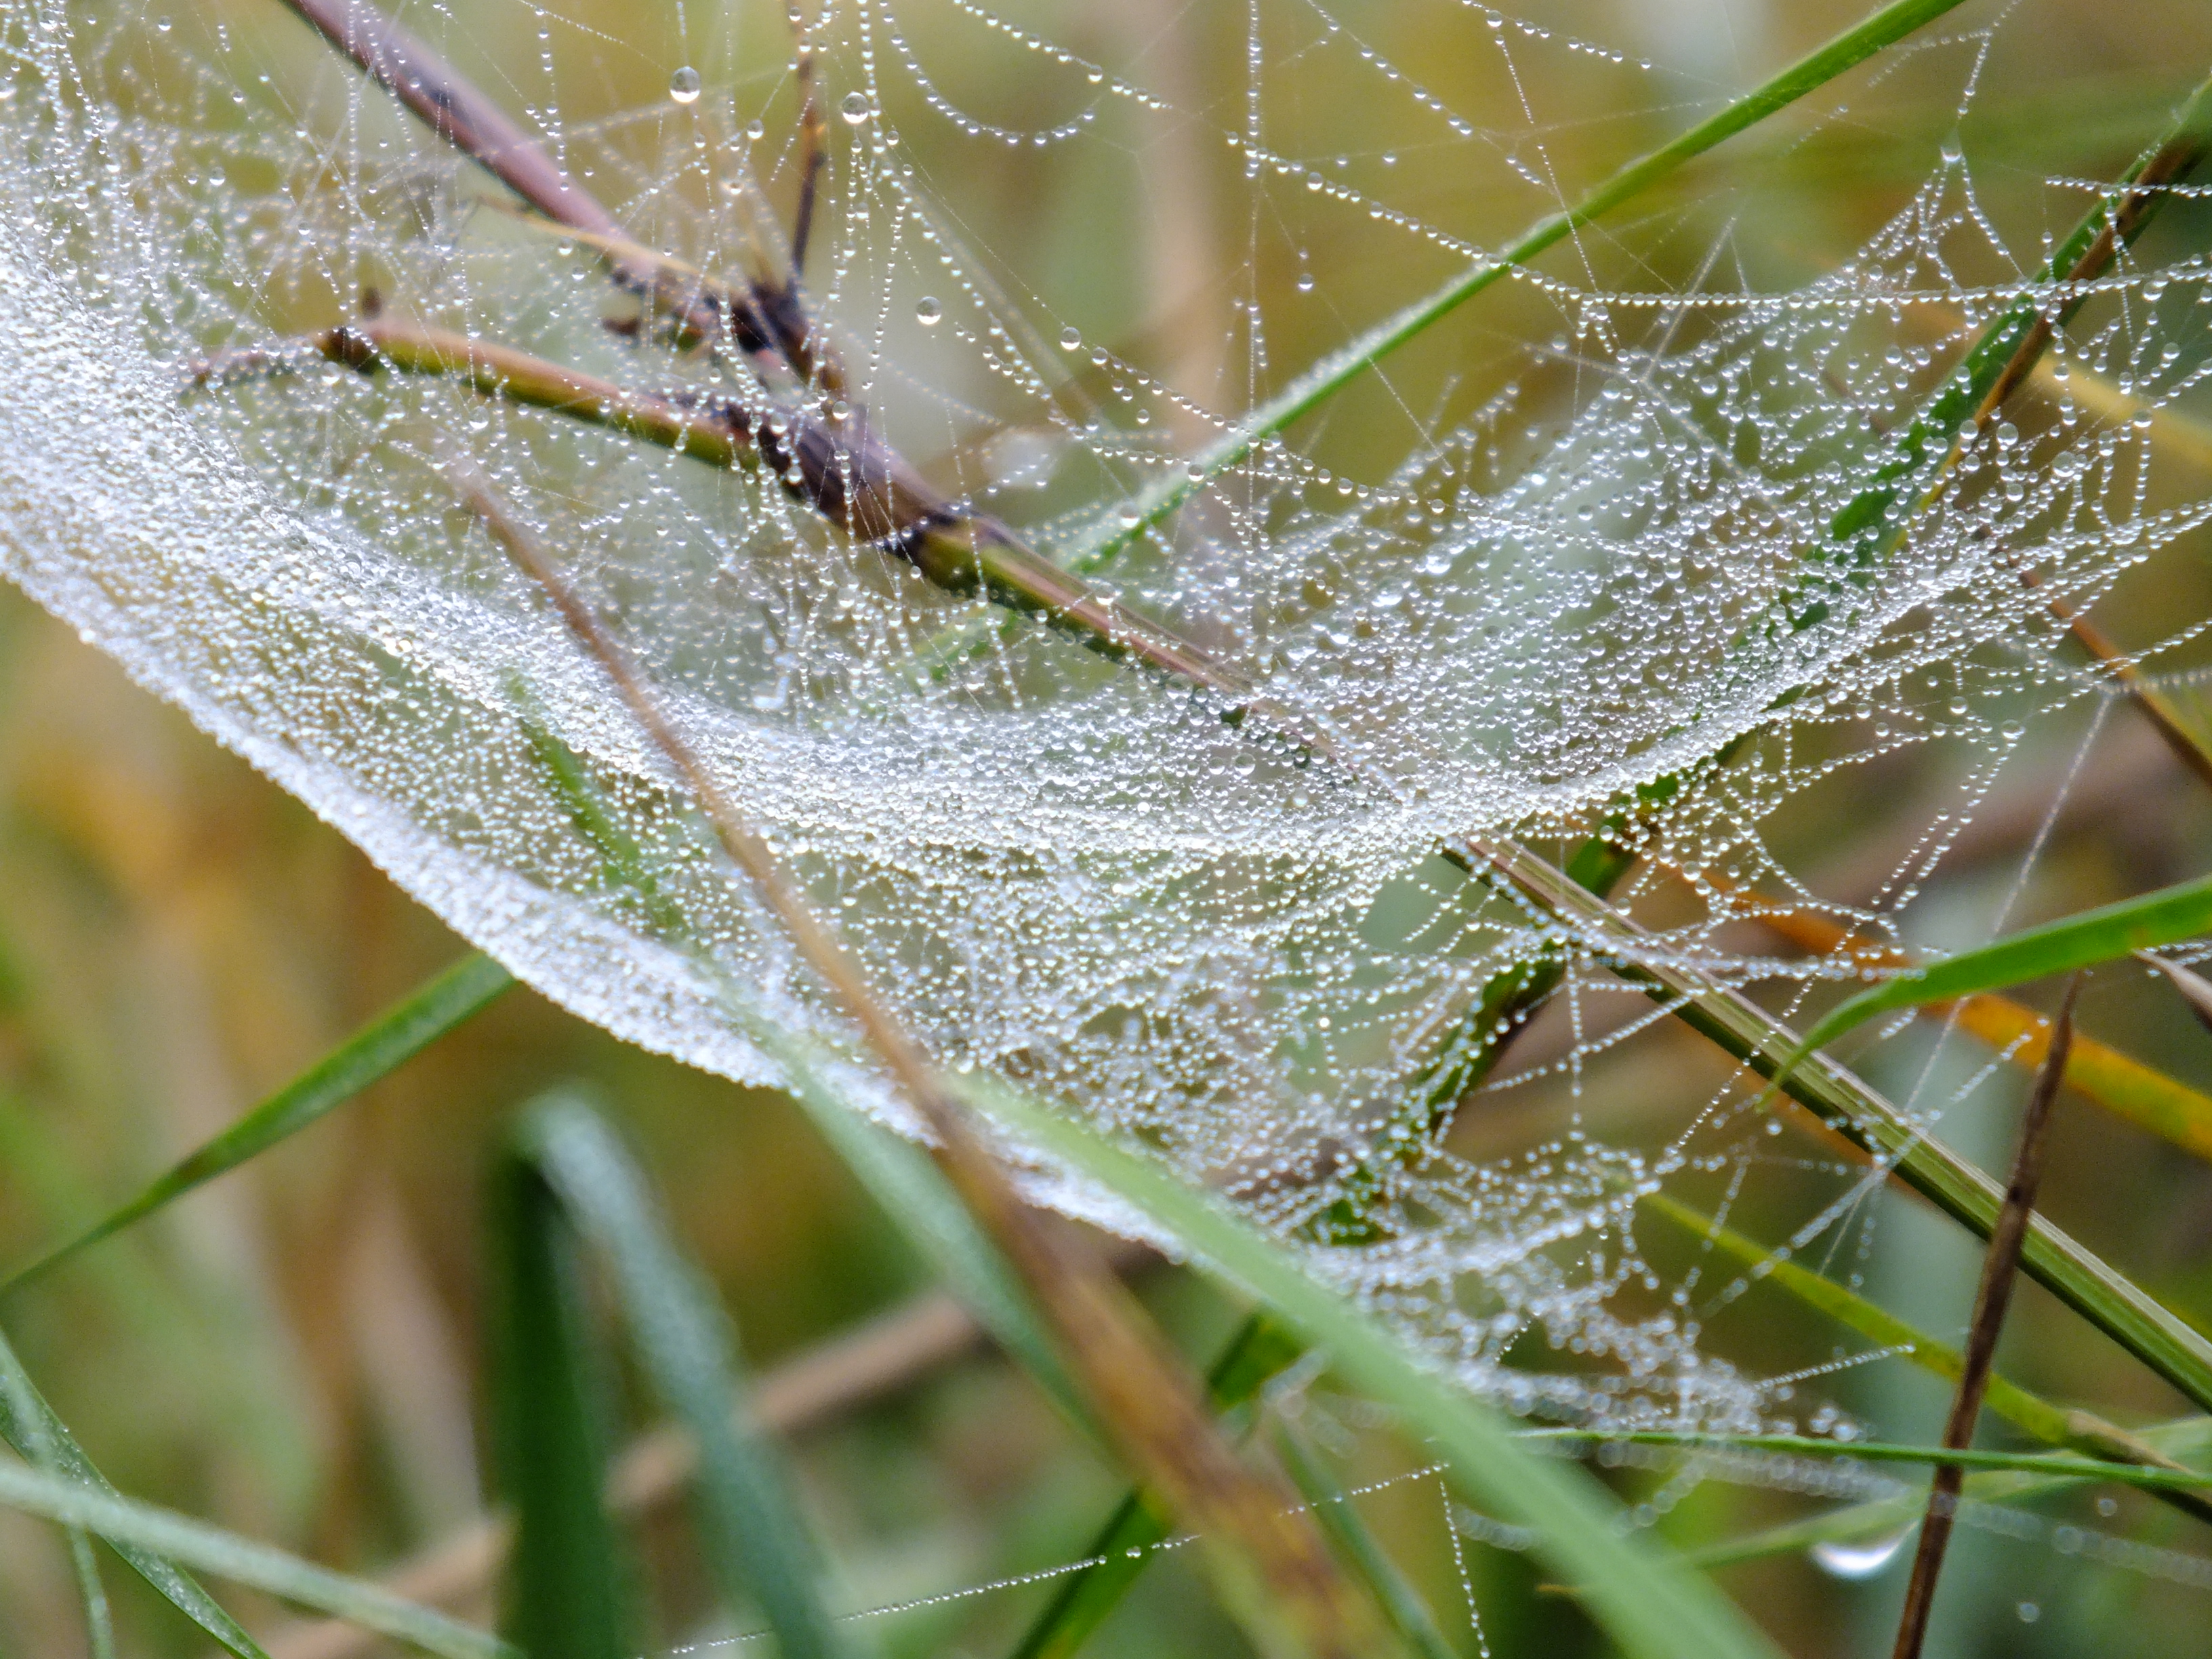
(1061, 870)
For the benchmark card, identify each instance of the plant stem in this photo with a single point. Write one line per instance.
(2000, 1268)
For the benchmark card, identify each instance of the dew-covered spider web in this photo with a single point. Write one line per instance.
(1514, 570)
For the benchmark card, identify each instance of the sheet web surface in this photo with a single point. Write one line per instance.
(1507, 589)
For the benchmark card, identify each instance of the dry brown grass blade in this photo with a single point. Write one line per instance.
(1269, 1558)
(2000, 1269)
(2194, 990)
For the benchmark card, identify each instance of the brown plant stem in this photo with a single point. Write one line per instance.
(2000, 1269)
(1273, 1565)
(838, 469)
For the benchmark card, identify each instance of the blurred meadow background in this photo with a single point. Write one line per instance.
(296, 1353)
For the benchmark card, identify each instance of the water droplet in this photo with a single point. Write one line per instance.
(2028, 1611)
(1861, 1558)
(684, 85)
(756, 131)
(928, 311)
(854, 109)
(1070, 339)
(163, 24)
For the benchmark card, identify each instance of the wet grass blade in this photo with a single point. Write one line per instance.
(2132, 1317)
(1402, 1603)
(755, 1538)
(570, 1588)
(1883, 29)
(2055, 1425)
(1123, 1548)
(1645, 1599)
(2164, 917)
(900, 1177)
(29, 1424)
(381, 1046)
(2047, 1465)
(221, 1555)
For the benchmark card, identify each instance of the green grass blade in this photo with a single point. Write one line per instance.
(29, 1424)
(570, 1584)
(379, 1047)
(898, 1174)
(99, 1622)
(2187, 1438)
(750, 1521)
(222, 1554)
(2164, 917)
(2062, 1465)
(1650, 1604)
(1852, 47)
(1124, 1546)
(1400, 1602)
(2163, 1340)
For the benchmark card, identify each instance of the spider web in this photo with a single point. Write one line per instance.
(1511, 574)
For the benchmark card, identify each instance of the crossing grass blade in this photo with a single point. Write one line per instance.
(163, 1533)
(29, 1424)
(902, 1180)
(2060, 1465)
(2182, 1440)
(1402, 1603)
(1645, 1599)
(2169, 1344)
(450, 998)
(1118, 1554)
(755, 1538)
(2164, 917)
(570, 1591)
(2076, 1430)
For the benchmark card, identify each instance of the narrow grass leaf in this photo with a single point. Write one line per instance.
(2164, 917)
(755, 1537)
(2130, 1315)
(402, 1031)
(222, 1554)
(2049, 1465)
(1400, 1602)
(1882, 29)
(1645, 1599)
(570, 1588)
(1124, 1546)
(29, 1424)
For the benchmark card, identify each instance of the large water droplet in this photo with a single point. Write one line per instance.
(684, 85)
(1070, 339)
(928, 311)
(1859, 1558)
(854, 108)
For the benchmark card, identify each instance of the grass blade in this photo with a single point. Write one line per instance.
(1647, 1601)
(1400, 1602)
(749, 1517)
(29, 1424)
(2164, 917)
(570, 1586)
(1852, 47)
(381, 1046)
(2048, 1465)
(2077, 1431)
(221, 1554)
(1123, 1548)
(2108, 1299)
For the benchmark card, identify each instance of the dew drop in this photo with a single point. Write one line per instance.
(1070, 339)
(854, 109)
(928, 311)
(684, 85)
(1861, 1558)
(756, 131)
(163, 24)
